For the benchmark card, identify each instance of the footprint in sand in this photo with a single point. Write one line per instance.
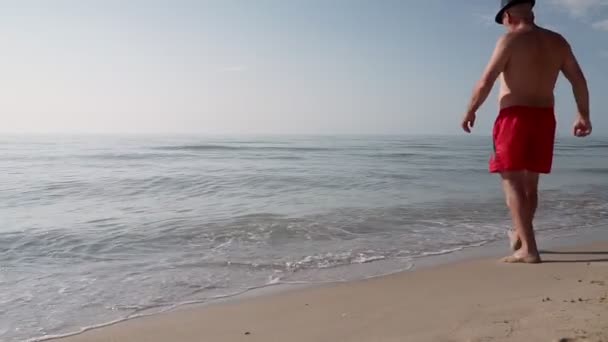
(582, 337)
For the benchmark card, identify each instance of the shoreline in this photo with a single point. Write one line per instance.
(475, 260)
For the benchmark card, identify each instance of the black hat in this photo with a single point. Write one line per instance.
(506, 4)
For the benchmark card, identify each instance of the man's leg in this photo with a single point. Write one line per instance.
(531, 190)
(531, 185)
(515, 185)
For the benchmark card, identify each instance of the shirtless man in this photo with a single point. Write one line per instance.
(529, 59)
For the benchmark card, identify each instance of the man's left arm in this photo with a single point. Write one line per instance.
(484, 86)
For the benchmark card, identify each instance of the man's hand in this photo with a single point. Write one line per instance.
(468, 122)
(582, 127)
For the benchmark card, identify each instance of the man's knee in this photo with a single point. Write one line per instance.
(516, 199)
(514, 187)
(532, 194)
(531, 185)
(514, 194)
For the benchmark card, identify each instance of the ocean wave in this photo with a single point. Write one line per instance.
(330, 260)
(127, 156)
(269, 157)
(198, 148)
(310, 262)
(395, 155)
(452, 249)
(580, 146)
(594, 170)
(212, 147)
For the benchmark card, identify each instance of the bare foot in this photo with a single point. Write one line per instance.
(514, 240)
(522, 258)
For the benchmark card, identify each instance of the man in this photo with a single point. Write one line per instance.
(529, 59)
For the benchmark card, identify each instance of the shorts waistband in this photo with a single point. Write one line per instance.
(518, 110)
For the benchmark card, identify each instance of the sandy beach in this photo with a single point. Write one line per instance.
(563, 299)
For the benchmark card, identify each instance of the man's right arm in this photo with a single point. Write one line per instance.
(572, 71)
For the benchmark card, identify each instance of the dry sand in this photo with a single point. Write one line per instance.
(563, 299)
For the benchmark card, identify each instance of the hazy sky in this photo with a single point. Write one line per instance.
(268, 66)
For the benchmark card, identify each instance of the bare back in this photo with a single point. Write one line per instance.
(536, 57)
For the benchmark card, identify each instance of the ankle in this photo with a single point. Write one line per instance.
(527, 250)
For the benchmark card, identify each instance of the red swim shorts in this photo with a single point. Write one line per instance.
(523, 140)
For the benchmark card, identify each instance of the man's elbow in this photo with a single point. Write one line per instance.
(580, 82)
(583, 80)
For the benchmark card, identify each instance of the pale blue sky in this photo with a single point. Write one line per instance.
(268, 66)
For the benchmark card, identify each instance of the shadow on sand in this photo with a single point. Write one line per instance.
(576, 260)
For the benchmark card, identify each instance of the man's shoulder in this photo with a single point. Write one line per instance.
(510, 37)
(506, 39)
(553, 34)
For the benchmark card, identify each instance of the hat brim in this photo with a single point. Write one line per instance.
(501, 13)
